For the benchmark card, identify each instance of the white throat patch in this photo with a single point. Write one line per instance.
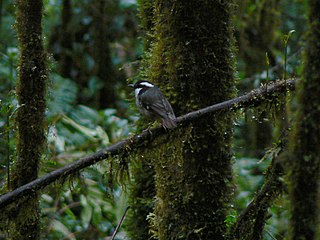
(136, 91)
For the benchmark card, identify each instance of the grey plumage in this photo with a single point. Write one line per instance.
(152, 103)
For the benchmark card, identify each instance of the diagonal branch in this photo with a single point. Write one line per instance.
(251, 221)
(253, 98)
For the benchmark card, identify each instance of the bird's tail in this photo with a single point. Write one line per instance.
(169, 122)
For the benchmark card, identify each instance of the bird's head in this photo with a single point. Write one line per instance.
(141, 86)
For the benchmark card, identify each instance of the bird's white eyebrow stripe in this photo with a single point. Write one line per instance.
(146, 84)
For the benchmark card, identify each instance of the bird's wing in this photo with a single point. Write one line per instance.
(154, 101)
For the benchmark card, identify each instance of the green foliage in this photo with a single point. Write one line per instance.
(83, 211)
(7, 21)
(8, 106)
(101, 40)
(231, 219)
(89, 208)
(74, 129)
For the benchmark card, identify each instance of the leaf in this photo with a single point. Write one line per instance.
(97, 214)
(60, 227)
(89, 133)
(267, 59)
(62, 96)
(85, 115)
(86, 212)
(103, 136)
(286, 37)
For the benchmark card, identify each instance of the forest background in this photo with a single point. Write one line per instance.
(93, 50)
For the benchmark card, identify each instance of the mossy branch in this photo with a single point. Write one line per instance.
(253, 98)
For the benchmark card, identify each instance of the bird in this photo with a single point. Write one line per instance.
(153, 104)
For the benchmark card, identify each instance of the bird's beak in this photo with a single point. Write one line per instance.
(131, 85)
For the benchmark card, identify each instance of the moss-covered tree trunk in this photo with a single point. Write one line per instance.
(30, 120)
(304, 161)
(191, 61)
(142, 188)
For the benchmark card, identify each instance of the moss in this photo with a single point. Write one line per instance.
(146, 24)
(191, 61)
(31, 91)
(142, 187)
(304, 162)
(30, 119)
(142, 192)
(188, 55)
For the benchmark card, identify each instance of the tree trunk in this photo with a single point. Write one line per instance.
(1, 7)
(191, 62)
(31, 92)
(66, 39)
(304, 161)
(102, 53)
(142, 189)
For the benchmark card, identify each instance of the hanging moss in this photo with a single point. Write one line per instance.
(30, 119)
(304, 162)
(191, 61)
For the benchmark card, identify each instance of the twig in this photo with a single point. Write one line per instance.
(120, 222)
(137, 141)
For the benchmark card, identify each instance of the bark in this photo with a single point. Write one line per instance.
(304, 162)
(30, 121)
